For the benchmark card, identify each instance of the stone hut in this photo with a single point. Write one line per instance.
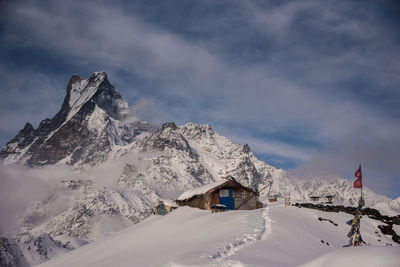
(229, 194)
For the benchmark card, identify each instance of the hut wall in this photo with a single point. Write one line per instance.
(251, 204)
(200, 202)
(194, 202)
(215, 197)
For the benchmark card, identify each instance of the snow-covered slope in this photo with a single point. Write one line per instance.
(274, 236)
(298, 236)
(366, 257)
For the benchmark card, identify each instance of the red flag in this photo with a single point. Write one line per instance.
(358, 183)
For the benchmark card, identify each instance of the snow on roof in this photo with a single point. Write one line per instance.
(169, 202)
(200, 190)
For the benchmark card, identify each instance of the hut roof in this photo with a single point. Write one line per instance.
(200, 190)
(169, 202)
(204, 189)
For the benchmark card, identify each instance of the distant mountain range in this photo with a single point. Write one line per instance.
(94, 130)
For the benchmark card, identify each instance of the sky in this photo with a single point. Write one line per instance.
(311, 86)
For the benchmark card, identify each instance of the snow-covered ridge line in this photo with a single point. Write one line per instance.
(81, 91)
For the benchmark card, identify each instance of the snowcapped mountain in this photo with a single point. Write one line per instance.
(389, 208)
(120, 167)
(93, 119)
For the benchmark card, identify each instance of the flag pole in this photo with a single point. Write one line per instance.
(361, 187)
(362, 202)
(361, 193)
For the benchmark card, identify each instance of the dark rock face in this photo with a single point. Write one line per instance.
(388, 230)
(371, 213)
(35, 137)
(15, 251)
(169, 137)
(10, 256)
(71, 139)
(327, 220)
(247, 172)
(30, 138)
(171, 125)
(246, 149)
(23, 139)
(106, 98)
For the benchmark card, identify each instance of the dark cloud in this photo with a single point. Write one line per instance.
(27, 96)
(295, 80)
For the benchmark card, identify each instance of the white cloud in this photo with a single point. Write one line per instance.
(264, 146)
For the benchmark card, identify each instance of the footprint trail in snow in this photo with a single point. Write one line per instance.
(243, 241)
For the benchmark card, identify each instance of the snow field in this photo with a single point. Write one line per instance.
(245, 240)
(359, 256)
(184, 237)
(274, 236)
(297, 234)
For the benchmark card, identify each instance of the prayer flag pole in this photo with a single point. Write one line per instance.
(354, 233)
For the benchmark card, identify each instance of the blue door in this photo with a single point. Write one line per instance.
(226, 198)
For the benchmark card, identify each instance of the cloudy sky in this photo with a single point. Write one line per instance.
(312, 86)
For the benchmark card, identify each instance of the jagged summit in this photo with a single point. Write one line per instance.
(90, 122)
(171, 125)
(96, 89)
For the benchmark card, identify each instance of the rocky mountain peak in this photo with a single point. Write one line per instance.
(28, 127)
(27, 130)
(78, 92)
(74, 78)
(95, 89)
(171, 125)
(246, 149)
(90, 122)
(168, 137)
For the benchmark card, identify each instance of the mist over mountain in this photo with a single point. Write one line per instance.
(94, 168)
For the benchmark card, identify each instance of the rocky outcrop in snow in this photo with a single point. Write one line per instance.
(10, 256)
(26, 249)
